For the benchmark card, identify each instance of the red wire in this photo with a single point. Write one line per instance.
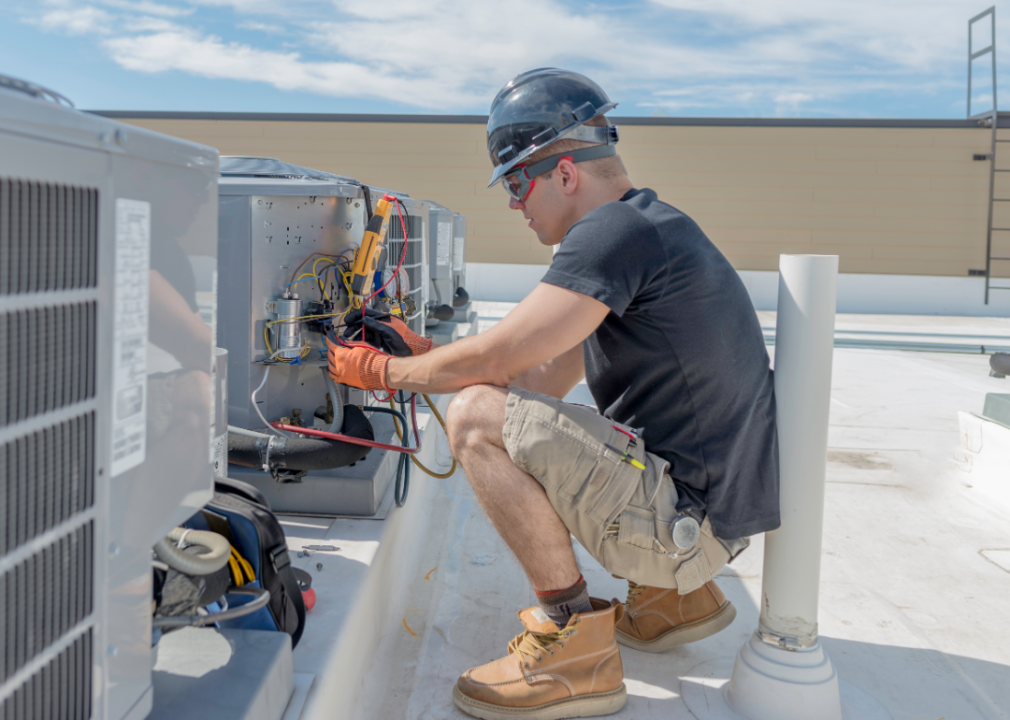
(403, 257)
(362, 441)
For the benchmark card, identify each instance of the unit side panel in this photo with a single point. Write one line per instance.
(175, 477)
(285, 233)
(233, 288)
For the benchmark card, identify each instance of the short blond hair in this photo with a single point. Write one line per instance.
(605, 168)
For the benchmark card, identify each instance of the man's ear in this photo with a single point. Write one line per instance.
(569, 176)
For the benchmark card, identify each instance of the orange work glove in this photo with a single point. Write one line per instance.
(386, 332)
(358, 367)
(418, 345)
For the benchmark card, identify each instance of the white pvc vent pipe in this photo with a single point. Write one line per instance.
(782, 673)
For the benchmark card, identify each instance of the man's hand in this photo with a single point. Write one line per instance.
(358, 367)
(385, 332)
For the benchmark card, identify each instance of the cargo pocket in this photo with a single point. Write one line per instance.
(637, 527)
(693, 573)
(596, 485)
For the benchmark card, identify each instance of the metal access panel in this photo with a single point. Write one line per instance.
(439, 262)
(458, 251)
(440, 251)
(278, 221)
(463, 313)
(268, 227)
(107, 232)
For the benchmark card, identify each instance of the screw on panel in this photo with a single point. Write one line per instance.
(121, 137)
(113, 550)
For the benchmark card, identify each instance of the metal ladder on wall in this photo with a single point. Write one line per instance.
(989, 118)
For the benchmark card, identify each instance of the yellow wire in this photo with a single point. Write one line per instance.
(347, 282)
(317, 262)
(319, 281)
(301, 317)
(413, 458)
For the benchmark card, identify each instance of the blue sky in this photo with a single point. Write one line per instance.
(722, 58)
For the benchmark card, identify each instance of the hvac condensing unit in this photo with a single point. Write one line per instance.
(107, 256)
(287, 238)
(440, 264)
(460, 297)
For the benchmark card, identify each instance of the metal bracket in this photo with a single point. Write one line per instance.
(787, 642)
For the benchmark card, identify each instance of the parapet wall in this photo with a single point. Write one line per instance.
(889, 197)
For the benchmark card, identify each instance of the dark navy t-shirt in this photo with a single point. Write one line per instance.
(680, 356)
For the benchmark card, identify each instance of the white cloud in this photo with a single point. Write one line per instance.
(910, 32)
(76, 21)
(763, 56)
(210, 56)
(145, 7)
(261, 27)
(439, 56)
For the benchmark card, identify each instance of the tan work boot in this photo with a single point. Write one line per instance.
(549, 673)
(658, 619)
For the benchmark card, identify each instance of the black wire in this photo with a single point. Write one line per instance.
(388, 411)
(368, 200)
(404, 461)
(403, 467)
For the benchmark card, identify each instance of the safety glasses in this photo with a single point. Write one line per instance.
(518, 185)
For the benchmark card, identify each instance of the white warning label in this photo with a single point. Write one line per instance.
(444, 246)
(129, 359)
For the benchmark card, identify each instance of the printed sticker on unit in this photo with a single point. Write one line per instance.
(129, 360)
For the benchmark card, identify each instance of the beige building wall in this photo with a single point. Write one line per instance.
(887, 200)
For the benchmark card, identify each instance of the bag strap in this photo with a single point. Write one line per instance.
(285, 571)
(230, 486)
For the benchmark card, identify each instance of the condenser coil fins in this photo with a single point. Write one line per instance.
(102, 226)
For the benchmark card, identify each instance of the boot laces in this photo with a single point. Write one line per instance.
(533, 645)
(634, 590)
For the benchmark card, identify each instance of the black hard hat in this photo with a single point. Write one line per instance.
(539, 107)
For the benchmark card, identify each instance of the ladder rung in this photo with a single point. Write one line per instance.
(993, 287)
(996, 258)
(1001, 229)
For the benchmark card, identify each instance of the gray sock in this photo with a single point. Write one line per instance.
(560, 605)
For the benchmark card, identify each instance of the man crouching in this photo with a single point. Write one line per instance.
(662, 483)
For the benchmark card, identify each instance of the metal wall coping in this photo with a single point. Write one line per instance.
(482, 119)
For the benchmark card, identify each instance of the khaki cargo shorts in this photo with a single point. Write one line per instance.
(621, 514)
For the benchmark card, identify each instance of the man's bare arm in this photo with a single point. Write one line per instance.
(555, 377)
(546, 325)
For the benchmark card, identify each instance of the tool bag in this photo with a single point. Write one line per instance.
(242, 514)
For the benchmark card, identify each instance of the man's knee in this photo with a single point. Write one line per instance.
(475, 415)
